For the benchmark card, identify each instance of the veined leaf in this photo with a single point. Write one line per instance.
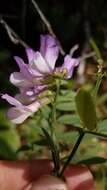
(69, 119)
(86, 109)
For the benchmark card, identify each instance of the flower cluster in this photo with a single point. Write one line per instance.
(31, 78)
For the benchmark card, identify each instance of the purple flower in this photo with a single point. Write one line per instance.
(20, 112)
(69, 64)
(31, 78)
(41, 64)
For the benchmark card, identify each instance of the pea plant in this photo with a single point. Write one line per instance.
(59, 113)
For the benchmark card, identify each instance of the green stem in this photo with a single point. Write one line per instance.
(100, 66)
(81, 135)
(55, 155)
(95, 47)
(90, 132)
(98, 83)
(95, 133)
(53, 117)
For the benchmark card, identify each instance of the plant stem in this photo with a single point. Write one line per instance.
(81, 135)
(90, 132)
(97, 86)
(100, 67)
(95, 133)
(53, 116)
(55, 154)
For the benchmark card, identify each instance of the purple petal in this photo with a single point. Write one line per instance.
(38, 104)
(69, 64)
(17, 115)
(19, 80)
(33, 70)
(49, 49)
(23, 68)
(30, 54)
(34, 106)
(39, 64)
(39, 88)
(11, 100)
(20, 113)
(25, 99)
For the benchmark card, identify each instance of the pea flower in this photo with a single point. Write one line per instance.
(31, 78)
(20, 112)
(41, 64)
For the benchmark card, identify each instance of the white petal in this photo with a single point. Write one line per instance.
(40, 64)
(19, 80)
(11, 100)
(17, 116)
(24, 98)
(30, 54)
(34, 106)
(49, 49)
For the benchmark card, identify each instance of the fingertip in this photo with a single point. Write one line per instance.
(79, 177)
(40, 167)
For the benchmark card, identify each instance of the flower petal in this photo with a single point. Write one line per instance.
(17, 115)
(49, 50)
(25, 99)
(69, 64)
(19, 80)
(38, 104)
(11, 100)
(34, 106)
(33, 70)
(30, 54)
(40, 64)
(23, 68)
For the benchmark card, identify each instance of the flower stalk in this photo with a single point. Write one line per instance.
(70, 157)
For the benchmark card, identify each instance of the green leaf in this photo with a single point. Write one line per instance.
(68, 137)
(9, 144)
(69, 120)
(66, 95)
(65, 101)
(102, 126)
(86, 109)
(93, 160)
(65, 106)
(46, 111)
